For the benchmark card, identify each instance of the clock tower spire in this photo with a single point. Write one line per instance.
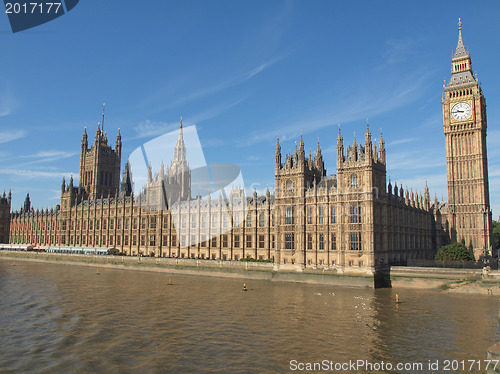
(464, 122)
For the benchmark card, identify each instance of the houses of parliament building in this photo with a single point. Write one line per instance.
(354, 219)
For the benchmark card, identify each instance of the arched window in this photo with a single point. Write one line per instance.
(354, 180)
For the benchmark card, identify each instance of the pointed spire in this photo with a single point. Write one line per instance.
(354, 144)
(318, 150)
(339, 137)
(102, 123)
(460, 51)
(368, 134)
(301, 143)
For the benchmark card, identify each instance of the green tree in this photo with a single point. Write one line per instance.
(454, 252)
(496, 234)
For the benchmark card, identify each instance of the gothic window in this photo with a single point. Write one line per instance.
(152, 240)
(355, 243)
(134, 239)
(237, 241)
(354, 181)
(204, 221)
(214, 222)
(193, 222)
(119, 224)
(289, 241)
(334, 242)
(249, 220)
(224, 241)
(237, 220)
(183, 222)
(321, 242)
(165, 222)
(152, 222)
(249, 241)
(309, 241)
(261, 220)
(272, 241)
(261, 241)
(289, 186)
(214, 242)
(225, 221)
(309, 215)
(355, 214)
(174, 240)
(290, 215)
(273, 219)
(321, 217)
(334, 215)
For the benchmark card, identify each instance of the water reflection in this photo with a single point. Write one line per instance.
(57, 318)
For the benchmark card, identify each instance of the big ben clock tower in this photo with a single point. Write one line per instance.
(464, 121)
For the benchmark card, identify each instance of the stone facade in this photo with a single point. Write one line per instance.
(5, 202)
(464, 121)
(354, 219)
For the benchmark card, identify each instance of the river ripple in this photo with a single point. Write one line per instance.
(66, 318)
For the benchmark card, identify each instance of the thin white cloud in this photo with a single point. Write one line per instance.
(221, 86)
(402, 141)
(31, 174)
(7, 102)
(148, 128)
(369, 103)
(8, 136)
(48, 156)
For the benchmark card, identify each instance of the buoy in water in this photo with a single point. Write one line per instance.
(97, 272)
(170, 282)
(397, 299)
(244, 287)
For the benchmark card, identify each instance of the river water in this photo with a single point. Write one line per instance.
(66, 318)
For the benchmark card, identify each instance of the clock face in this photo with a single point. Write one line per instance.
(461, 111)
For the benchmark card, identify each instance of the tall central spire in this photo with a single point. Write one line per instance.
(180, 148)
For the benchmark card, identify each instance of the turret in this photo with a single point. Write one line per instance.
(278, 155)
(302, 153)
(381, 149)
(27, 203)
(340, 150)
(118, 144)
(427, 198)
(318, 159)
(368, 142)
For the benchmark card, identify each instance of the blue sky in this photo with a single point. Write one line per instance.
(242, 72)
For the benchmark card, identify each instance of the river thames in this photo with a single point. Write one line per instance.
(67, 318)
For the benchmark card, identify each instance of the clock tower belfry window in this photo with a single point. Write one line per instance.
(464, 123)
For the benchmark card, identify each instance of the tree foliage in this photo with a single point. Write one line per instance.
(454, 252)
(496, 234)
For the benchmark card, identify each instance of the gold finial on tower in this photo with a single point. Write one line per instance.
(459, 24)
